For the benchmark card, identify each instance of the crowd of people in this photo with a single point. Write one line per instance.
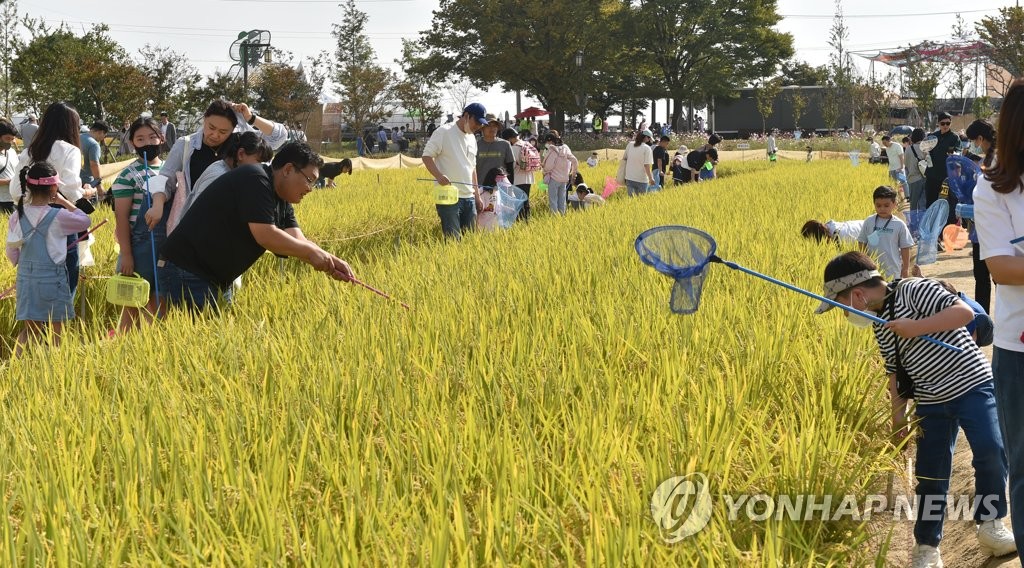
(190, 225)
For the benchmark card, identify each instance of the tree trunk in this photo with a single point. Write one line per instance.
(557, 119)
(677, 111)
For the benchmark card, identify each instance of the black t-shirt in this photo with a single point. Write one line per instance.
(213, 240)
(939, 153)
(200, 160)
(662, 155)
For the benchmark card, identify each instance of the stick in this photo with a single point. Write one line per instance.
(5, 293)
(355, 280)
(832, 303)
(459, 183)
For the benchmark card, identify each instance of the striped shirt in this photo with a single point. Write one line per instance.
(131, 182)
(940, 374)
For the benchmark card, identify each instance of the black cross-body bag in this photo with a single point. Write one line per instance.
(904, 383)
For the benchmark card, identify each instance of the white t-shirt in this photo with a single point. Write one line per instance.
(520, 177)
(488, 219)
(845, 231)
(893, 236)
(894, 152)
(999, 218)
(876, 150)
(592, 161)
(67, 160)
(8, 161)
(454, 153)
(636, 157)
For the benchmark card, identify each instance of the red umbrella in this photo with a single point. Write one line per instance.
(532, 111)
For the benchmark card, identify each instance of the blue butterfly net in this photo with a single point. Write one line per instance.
(962, 174)
(932, 222)
(508, 201)
(683, 254)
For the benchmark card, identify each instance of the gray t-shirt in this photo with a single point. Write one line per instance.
(28, 132)
(915, 155)
(893, 235)
(492, 155)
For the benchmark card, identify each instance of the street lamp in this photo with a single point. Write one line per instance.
(581, 100)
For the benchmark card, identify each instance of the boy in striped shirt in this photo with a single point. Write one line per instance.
(953, 390)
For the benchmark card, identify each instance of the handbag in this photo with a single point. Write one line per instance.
(904, 382)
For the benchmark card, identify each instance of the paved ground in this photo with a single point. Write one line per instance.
(959, 546)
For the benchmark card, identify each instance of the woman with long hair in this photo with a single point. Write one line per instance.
(999, 214)
(639, 158)
(57, 142)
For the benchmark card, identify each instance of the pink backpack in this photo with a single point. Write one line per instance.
(529, 158)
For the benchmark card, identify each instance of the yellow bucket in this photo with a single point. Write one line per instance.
(446, 194)
(130, 291)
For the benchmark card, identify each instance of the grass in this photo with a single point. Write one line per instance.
(522, 413)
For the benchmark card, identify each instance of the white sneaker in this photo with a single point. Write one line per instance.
(994, 539)
(925, 556)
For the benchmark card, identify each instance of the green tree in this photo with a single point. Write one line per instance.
(837, 99)
(10, 44)
(922, 78)
(173, 79)
(282, 93)
(94, 72)
(709, 48)
(418, 93)
(535, 53)
(800, 73)
(366, 89)
(764, 97)
(798, 101)
(1004, 35)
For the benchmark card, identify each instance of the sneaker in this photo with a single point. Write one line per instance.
(994, 539)
(925, 556)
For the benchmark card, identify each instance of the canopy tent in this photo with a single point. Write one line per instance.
(953, 52)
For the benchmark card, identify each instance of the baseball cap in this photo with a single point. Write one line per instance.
(509, 133)
(647, 133)
(837, 286)
(477, 111)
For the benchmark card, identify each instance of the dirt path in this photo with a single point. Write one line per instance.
(959, 545)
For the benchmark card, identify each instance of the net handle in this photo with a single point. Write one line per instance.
(833, 303)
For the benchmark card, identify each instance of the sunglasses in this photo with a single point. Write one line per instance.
(945, 123)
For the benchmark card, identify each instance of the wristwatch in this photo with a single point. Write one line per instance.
(252, 119)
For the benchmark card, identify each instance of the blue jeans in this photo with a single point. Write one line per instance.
(557, 198)
(975, 412)
(457, 217)
(185, 289)
(901, 178)
(1008, 371)
(635, 187)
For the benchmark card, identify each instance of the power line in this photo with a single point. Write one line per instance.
(859, 16)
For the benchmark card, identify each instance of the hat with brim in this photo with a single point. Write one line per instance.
(491, 120)
(835, 287)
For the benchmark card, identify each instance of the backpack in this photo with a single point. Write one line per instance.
(529, 158)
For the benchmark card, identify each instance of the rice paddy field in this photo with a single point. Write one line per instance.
(522, 413)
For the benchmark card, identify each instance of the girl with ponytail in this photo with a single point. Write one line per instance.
(37, 246)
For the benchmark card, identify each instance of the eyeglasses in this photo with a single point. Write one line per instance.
(309, 181)
(945, 123)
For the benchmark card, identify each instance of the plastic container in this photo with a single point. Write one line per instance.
(129, 291)
(446, 194)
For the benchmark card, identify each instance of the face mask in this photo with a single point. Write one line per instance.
(858, 321)
(148, 152)
(873, 239)
(976, 150)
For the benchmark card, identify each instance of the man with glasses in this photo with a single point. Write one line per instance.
(935, 174)
(241, 215)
